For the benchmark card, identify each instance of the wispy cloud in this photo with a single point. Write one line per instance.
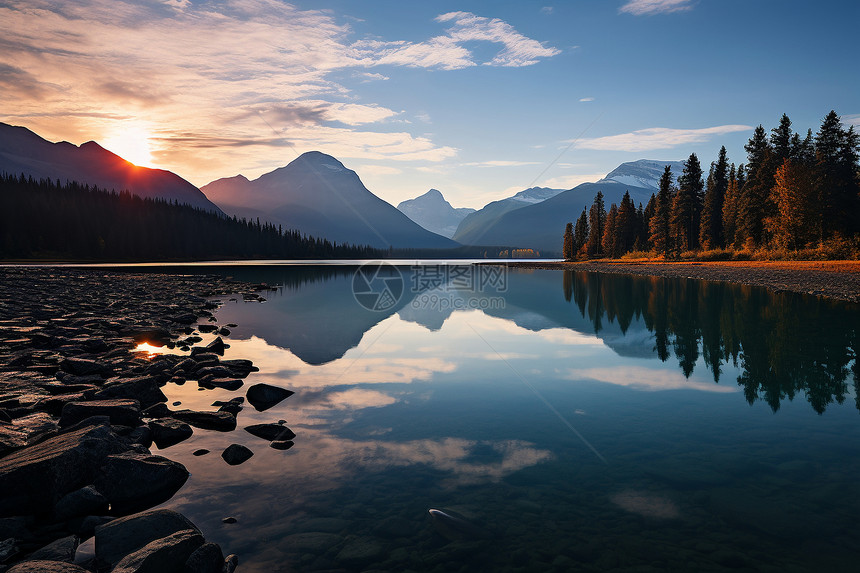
(500, 163)
(648, 7)
(851, 119)
(657, 138)
(585, 99)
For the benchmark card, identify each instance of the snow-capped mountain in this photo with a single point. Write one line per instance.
(643, 173)
(469, 231)
(434, 213)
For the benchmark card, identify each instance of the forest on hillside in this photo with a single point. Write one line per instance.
(795, 197)
(50, 220)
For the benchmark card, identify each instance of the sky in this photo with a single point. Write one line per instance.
(478, 99)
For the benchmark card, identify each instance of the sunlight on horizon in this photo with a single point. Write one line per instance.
(131, 142)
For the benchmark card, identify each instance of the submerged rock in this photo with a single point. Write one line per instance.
(264, 396)
(236, 454)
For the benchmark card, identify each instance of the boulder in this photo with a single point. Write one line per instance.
(144, 389)
(217, 346)
(207, 558)
(46, 567)
(236, 454)
(271, 432)
(230, 384)
(264, 396)
(282, 444)
(167, 432)
(120, 412)
(85, 367)
(84, 501)
(165, 555)
(62, 549)
(218, 421)
(34, 478)
(132, 481)
(125, 535)
(26, 430)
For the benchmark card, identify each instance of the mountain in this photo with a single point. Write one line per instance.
(22, 151)
(434, 213)
(317, 195)
(644, 173)
(470, 229)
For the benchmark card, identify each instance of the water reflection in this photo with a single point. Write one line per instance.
(785, 344)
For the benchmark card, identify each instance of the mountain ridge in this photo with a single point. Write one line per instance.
(434, 213)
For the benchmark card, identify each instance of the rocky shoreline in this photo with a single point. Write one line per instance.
(80, 408)
(839, 280)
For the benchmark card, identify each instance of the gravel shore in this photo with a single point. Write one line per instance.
(839, 280)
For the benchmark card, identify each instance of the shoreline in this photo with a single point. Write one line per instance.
(838, 280)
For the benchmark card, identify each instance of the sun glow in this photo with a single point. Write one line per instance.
(131, 142)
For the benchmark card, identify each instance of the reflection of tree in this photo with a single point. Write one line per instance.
(784, 343)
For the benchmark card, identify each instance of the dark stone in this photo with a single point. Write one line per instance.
(84, 527)
(85, 367)
(200, 452)
(165, 555)
(134, 481)
(125, 535)
(25, 431)
(264, 396)
(229, 520)
(144, 389)
(271, 432)
(230, 563)
(159, 410)
(167, 432)
(207, 558)
(34, 478)
(217, 346)
(223, 331)
(207, 328)
(140, 435)
(282, 444)
(62, 549)
(87, 422)
(236, 454)
(84, 501)
(232, 407)
(216, 371)
(46, 567)
(153, 335)
(230, 384)
(218, 421)
(120, 412)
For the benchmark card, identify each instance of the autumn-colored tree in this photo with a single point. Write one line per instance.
(797, 222)
(567, 246)
(687, 206)
(711, 234)
(580, 234)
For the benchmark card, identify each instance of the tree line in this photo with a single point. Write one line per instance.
(51, 220)
(793, 193)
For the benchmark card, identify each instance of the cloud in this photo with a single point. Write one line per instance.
(583, 99)
(547, 10)
(571, 181)
(851, 120)
(649, 7)
(447, 52)
(379, 170)
(657, 138)
(500, 163)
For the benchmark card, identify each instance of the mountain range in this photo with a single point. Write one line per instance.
(22, 151)
(317, 195)
(471, 228)
(434, 213)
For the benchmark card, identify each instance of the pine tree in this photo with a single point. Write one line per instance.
(596, 226)
(711, 234)
(580, 233)
(781, 140)
(626, 225)
(797, 221)
(611, 233)
(687, 205)
(730, 208)
(660, 228)
(836, 153)
(754, 194)
(567, 247)
(647, 216)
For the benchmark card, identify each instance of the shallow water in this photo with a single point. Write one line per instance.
(572, 420)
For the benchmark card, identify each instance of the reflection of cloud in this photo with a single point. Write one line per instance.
(648, 379)
(646, 504)
(359, 398)
(568, 337)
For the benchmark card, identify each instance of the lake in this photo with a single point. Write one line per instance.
(559, 420)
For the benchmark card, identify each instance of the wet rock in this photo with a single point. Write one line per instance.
(236, 454)
(84, 501)
(46, 567)
(144, 389)
(229, 520)
(62, 549)
(200, 452)
(165, 555)
(230, 384)
(132, 480)
(120, 412)
(153, 335)
(271, 432)
(264, 396)
(168, 432)
(25, 430)
(218, 421)
(208, 558)
(230, 563)
(184, 318)
(282, 444)
(206, 328)
(217, 346)
(159, 410)
(125, 535)
(85, 367)
(34, 478)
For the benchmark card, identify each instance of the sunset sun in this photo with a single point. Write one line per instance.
(131, 143)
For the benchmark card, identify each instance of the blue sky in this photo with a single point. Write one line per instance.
(476, 99)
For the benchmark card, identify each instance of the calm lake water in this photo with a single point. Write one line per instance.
(568, 421)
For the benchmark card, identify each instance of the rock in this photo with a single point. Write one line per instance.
(184, 318)
(207, 328)
(140, 435)
(230, 384)
(133, 481)
(217, 346)
(218, 421)
(86, 423)
(216, 371)
(229, 520)
(120, 412)
(236, 454)
(310, 542)
(153, 335)
(85, 367)
(125, 535)
(34, 478)
(8, 548)
(84, 527)
(159, 410)
(207, 558)
(165, 555)
(46, 567)
(282, 444)
(264, 396)
(167, 432)
(271, 432)
(200, 452)
(62, 549)
(144, 389)
(359, 551)
(84, 501)
(26, 430)
(230, 563)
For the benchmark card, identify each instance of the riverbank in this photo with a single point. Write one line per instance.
(80, 408)
(839, 280)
